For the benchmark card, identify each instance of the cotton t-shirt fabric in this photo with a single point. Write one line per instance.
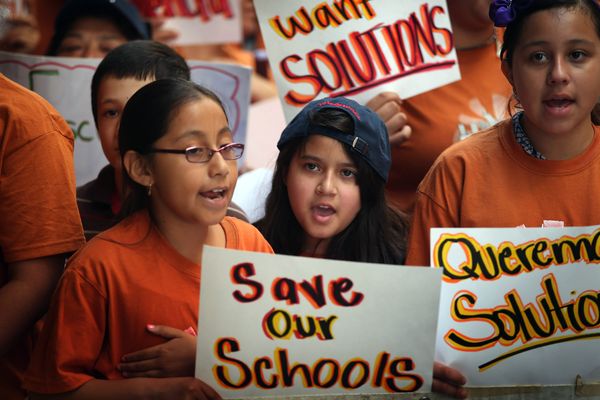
(489, 181)
(37, 198)
(438, 117)
(122, 280)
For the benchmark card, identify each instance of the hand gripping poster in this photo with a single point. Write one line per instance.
(274, 325)
(356, 48)
(519, 306)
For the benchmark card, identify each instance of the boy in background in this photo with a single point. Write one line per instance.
(119, 75)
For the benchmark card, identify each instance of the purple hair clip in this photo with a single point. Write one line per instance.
(503, 12)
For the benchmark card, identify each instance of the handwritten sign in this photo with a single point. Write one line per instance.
(356, 48)
(519, 306)
(199, 21)
(65, 83)
(272, 325)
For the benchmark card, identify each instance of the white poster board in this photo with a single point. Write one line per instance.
(66, 84)
(199, 21)
(273, 325)
(356, 49)
(519, 306)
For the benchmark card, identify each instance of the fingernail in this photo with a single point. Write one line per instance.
(150, 326)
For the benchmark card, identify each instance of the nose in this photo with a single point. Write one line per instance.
(326, 185)
(558, 73)
(218, 165)
(92, 50)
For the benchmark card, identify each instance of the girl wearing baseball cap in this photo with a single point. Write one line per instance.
(327, 198)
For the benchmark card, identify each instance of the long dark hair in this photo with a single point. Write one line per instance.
(146, 118)
(378, 232)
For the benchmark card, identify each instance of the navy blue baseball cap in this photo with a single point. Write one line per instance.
(125, 15)
(369, 139)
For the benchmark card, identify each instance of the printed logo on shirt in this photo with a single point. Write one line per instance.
(480, 118)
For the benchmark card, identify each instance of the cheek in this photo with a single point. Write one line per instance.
(298, 190)
(351, 200)
(106, 132)
(233, 170)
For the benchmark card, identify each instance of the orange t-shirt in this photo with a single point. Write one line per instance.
(122, 280)
(476, 102)
(38, 211)
(489, 181)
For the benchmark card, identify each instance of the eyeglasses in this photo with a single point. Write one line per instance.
(195, 154)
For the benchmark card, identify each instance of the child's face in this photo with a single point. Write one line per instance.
(193, 193)
(322, 188)
(113, 93)
(90, 37)
(556, 71)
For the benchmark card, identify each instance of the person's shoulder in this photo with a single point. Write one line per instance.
(111, 250)
(32, 110)
(486, 143)
(242, 235)
(124, 236)
(478, 151)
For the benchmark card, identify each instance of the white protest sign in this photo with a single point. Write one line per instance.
(199, 21)
(519, 306)
(273, 325)
(65, 83)
(356, 48)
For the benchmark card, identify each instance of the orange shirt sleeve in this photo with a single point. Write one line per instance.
(438, 203)
(37, 196)
(243, 236)
(72, 338)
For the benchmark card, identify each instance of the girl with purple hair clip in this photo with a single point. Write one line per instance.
(542, 164)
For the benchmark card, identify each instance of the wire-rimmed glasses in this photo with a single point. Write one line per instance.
(196, 154)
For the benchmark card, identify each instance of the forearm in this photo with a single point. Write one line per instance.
(25, 297)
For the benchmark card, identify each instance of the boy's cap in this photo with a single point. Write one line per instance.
(370, 138)
(121, 9)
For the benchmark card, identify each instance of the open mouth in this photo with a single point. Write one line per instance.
(558, 103)
(215, 194)
(323, 213)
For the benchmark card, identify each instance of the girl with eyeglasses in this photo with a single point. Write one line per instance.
(179, 165)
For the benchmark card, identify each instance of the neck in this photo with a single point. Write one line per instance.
(560, 146)
(465, 39)
(315, 247)
(119, 183)
(189, 239)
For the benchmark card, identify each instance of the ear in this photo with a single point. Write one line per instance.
(137, 168)
(507, 71)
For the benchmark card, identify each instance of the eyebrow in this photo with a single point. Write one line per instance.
(102, 36)
(545, 42)
(109, 100)
(315, 158)
(201, 134)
